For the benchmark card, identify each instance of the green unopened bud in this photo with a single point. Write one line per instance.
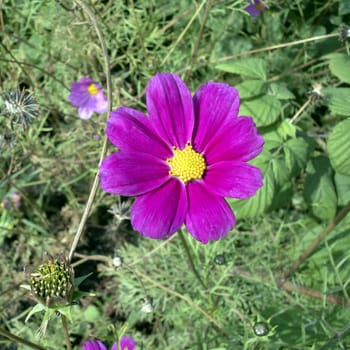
(52, 281)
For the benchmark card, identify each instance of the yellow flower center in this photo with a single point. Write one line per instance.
(260, 6)
(92, 89)
(187, 164)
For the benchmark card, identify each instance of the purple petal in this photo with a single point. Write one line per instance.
(256, 8)
(85, 112)
(170, 108)
(93, 345)
(130, 130)
(127, 343)
(114, 347)
(238, 139)
(214, 103)
(209, 217)
(101, 103)
(233, 179)
(161, 212)
(132, 174)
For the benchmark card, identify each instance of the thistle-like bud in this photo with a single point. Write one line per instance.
(52, 282)
(21, 106)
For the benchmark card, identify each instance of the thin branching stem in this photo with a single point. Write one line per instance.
(20, 340)
(190, 259)
(94, 187)
(199, 39)
(316, 242)
(65, 332)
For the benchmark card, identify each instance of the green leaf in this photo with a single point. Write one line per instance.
(259, 203)
(265, 110)
(92, 314)
(338, 100)
(37, 308)
(339, 147)
(286, 129)
(250, 88)
(344, 7)
(319, 191)
(79, 280)
(280, 92)
(249, 67)
(342, 184)
(297, 152)
(339, 64)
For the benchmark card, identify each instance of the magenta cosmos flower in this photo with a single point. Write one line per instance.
(255, 7)
(88, 95)
(183, 159)
(126, 343)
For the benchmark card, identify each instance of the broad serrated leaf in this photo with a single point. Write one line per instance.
(250, 88)
(249, 67)
(297, 152)
(319, 191)
(342, 185)
(339, 64)
(265, 110)
(339, 147)
(286, 129)
(337, 100)
(281, 92)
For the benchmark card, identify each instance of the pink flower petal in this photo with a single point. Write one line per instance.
(238, 139)
(127, 343)
(209, 217)
(158, 214)
(132, 174)
(94, 345)
(85, 112)
(233, 179)
(170, 108)
(130, 130)
(214, 103)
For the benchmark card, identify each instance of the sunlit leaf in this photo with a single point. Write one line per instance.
(249, 67)
(338, 100)
(319, 191)
(339, 147)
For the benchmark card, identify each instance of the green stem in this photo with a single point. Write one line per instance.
(316, 242)
(65, 332)
(199, 38)
(190, 259)
(20, 340)
(94, 187)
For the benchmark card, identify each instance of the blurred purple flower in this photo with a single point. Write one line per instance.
(126, 343)
(12, 201)
(255, 7)
(183, 159)
(88, 95)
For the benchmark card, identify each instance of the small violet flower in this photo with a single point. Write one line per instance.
(183, 158)
(12, 201)
(255, 7)
(126, 343)
(88, 95)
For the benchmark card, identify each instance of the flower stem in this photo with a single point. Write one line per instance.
(210, 3)
(20, 340)
(94, 187)
(65, 332)
(316, 242)
(190, 259)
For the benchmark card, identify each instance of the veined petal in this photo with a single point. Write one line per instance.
(214, 103)
(132, 174)
(161, 212)
(85, 112)
(233, 179)
(209, 217)
(170, 108)
(129, 130)
(127, 343)
(238, 139)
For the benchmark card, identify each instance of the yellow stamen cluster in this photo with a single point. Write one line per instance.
(260, 6)
(187, 164)
(92, 89)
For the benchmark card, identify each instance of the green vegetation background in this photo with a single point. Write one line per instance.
(45, 45)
